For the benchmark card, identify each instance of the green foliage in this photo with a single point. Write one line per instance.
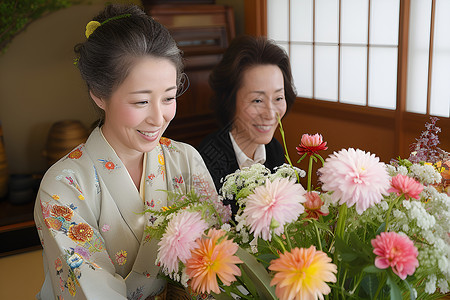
(15, 15)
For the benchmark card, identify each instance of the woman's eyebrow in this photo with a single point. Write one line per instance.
(150, 91)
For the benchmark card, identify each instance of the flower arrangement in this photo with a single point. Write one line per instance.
(368, 230)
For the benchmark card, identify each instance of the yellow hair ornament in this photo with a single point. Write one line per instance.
(91, 26)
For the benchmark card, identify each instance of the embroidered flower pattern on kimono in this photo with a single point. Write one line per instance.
(67, 174)
(82, 251)
(162, 166)
(76, 153)
(61, 286)
(106, 228)
(168, 144)
(177, 180)
(80, 233)
(108, 164)
(75, 261)
(58, 266)
(137, 294)
(149, 179)
(62, 211)
(56, 197)
(121, 257)
(71, 286)
(201, 185)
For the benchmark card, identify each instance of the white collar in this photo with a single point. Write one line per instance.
(243, 160)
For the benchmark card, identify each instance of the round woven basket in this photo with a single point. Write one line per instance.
(63, 136)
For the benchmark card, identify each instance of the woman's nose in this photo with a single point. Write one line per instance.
(269, 111)
(154, 115)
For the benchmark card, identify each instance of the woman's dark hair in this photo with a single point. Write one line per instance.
(226, 77)
(108, 54)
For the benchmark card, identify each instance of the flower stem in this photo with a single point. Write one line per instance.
(388, 216)
(309, 173)
(380, 286)
(280, 242)
(285, 147)
(318, 235)
(340, 227)
(288, 239)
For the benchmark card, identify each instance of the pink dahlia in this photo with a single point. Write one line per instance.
(278, 202)
(395, 251)
(311, 144)
(179, 239)
(355, 177)
(405, 185)
(313, 205)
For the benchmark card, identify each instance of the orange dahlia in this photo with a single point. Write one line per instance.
(302, 274)
(210, 259)
(80, 233)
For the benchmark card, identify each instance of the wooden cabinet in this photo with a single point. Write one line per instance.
(203, 32)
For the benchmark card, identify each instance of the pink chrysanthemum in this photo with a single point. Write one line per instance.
(179, 239)
(403, 184)
(355, 177)
(302, 274)
(395, 251)
(311, 144)
(277, 202)
(213, 257)
(313, 205)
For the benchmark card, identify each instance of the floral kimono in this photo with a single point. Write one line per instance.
(90, 219)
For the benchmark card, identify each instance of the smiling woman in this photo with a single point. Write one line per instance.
(90, 207)
(252, 88)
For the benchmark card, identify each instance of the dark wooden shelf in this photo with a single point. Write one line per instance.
(17, 228)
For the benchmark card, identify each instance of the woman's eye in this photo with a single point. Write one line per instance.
(280, 98)
(143, 102)
(257, 101)
(170, 99)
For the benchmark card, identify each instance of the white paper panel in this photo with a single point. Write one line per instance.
(301, 20)
(301, 64)
(326, 21)
(326, 70)
(419, 39)
(440, 81)
(384, 19)
(353, 75)
(278, 20)
(354, 21)
(383, 77)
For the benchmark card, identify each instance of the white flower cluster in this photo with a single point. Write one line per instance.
(428, 220)
(427, 174)
(424, 173)
(242, 182)
(248, 178)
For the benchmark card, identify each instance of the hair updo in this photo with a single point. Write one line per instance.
(107, 56)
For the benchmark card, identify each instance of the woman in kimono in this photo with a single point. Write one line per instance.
(252, 87)
(89, 209)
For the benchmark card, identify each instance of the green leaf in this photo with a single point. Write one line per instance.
(411, 292)
(372, 269)
(370, 284)
(257, 273)
(221, 296)
(249, 284)
(395, 292)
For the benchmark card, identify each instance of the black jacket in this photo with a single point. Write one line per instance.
(218, 153)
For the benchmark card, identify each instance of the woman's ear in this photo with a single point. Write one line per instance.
(99, 101)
